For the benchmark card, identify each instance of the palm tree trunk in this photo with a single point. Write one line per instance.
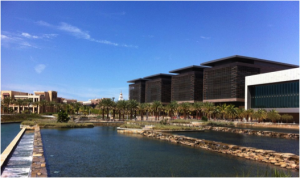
(107, 113)
(103, 113)
(113, 114)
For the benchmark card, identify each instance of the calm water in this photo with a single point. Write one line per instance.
(101, 151)
(262, 142)
(269, 129)
(8, 133)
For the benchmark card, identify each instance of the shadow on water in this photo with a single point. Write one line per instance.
(101, 151)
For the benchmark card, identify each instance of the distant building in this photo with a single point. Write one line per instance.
(137, 90)
(158, 88)
(187, 86)
(224, 82)
(274, 90)
(91, 102)
(36, 97)
(120, 97)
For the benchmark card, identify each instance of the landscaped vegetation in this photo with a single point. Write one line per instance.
(107, 109)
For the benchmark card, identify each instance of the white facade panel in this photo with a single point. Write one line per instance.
(271, 77)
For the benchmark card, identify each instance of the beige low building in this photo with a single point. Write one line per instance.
(36, 97)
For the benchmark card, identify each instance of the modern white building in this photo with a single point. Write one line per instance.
(274, 90)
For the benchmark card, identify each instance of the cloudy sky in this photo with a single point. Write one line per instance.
(86, 50)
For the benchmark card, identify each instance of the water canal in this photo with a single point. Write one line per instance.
(262, 142)
(101, 151)
(8, 133)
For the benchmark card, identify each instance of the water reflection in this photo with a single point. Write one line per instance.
(101, 151)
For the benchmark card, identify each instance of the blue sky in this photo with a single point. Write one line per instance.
(85, 50)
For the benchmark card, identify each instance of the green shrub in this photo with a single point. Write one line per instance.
(63, 117)
(204, 118)
(164, 122)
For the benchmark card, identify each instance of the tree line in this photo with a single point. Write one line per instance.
(174, 110)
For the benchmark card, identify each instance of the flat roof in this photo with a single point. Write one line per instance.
(136, 80)
(241, 58)
(160, 75)
(193, 67)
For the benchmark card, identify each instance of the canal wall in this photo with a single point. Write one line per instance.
(285, 160)
(38, 166)
(253, 132)
(8, 150)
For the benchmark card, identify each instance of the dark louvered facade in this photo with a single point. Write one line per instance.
(225, 80)
(137, 90)
(187, 86)
(158, 88)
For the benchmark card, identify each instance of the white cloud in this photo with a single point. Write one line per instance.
(4, 37)
(77, 32)
(74, 30)
(14, 40)
(39, 68)
(204, 37)
(27, 35)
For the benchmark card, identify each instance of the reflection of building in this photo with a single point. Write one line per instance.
(137, 90)
(36, 97)
(187, 86)
(158, 88)
(224, 82)
(275, 90)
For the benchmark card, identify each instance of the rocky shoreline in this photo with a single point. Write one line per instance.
(284, 160)
(253, 132)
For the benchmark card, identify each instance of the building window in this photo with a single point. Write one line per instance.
(278, 95)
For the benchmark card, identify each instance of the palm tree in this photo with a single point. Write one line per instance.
(260, 114)
(106, 104)
(28, 103)
(273, 115)
(84, 109)
(249, 114)
(142, 107)
(287, 117)
(197, 107)
(208, 109)
(231, 112)
(241, 113)
(122, 107)
(76, 107)
(222, 109)
(174, 108)
(51, 104)
(185, 108)
(19, 102)
(132, 106)
(37, 104)
(155, 106)
(148, 109)
(114, 107)
(2, 106)
(43, 103)
(7, 101)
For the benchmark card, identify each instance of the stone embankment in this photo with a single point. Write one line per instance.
(253, 132)
(285, 160)
(38, 166)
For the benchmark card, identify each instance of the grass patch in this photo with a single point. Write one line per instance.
(183, 121)
(20, 117)
(219, 123)
(172, 127)
(54, 124)
(131, 126)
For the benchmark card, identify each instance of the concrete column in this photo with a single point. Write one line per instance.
(32, 109)
(18, 109)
